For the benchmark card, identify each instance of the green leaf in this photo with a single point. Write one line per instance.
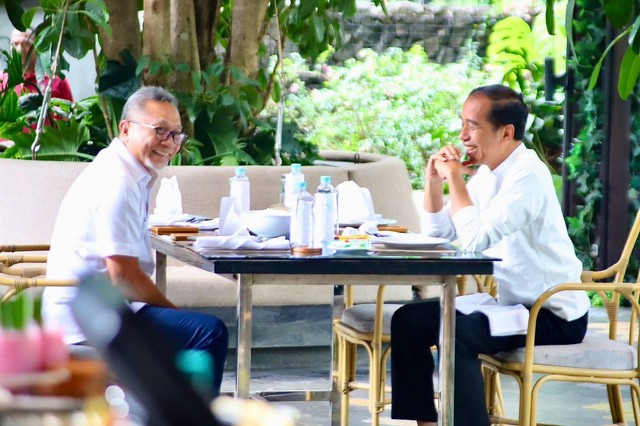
(318, 27)
(618, 11)
(549, 17)
(634, 37)
(629, 72)
(306, 9)
(596, 70)
(349, 8)
(15, 12)
(27, 17)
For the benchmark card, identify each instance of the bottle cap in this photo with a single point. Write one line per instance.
(301, 186)
(325, 180)
(241, 170)
(296, 167)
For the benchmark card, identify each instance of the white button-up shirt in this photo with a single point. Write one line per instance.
(104, 214)
(516, 216)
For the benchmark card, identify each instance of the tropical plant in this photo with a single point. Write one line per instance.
(623, 15)
(219, 77)
(519, 50)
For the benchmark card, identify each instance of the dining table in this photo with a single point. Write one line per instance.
(436, 266)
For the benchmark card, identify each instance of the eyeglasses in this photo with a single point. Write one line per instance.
(162, 133)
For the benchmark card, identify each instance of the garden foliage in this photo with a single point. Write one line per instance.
(396, 103)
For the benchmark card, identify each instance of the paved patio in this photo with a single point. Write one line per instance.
(560, 403)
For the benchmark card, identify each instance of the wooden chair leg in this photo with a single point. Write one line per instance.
(376, 386)
(615, 403)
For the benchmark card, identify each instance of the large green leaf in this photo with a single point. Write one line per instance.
(618, 11)
(15, 12)
(61, 143)
(629, 72)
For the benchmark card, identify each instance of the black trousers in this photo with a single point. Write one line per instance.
(415, 328)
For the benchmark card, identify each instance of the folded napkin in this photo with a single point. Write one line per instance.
(239, 242)
(231, 222)
(168, 203)
(354, 203)
(169, 198)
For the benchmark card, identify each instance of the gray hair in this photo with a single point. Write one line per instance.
(139, 99)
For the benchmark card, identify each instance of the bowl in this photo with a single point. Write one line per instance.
(268, 223)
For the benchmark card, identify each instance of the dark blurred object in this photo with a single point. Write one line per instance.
(551, 80)
(143, 361)
(30, 102)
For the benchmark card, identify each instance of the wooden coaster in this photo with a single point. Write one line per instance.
(306, 251)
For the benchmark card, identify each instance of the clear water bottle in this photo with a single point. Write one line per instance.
(240, 189)
(291, 181)
(325, 212)
(301, 230)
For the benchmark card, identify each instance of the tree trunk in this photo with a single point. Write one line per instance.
(123, 19)
(246, 22)
(184, 43)
(157, 38)
(206, 27)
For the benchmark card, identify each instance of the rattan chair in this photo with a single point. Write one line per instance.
(18, 277)
(368, 325)
(605, 360)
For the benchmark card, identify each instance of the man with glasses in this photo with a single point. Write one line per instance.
(102, 228)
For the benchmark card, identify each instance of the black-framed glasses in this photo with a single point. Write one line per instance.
(162, 133)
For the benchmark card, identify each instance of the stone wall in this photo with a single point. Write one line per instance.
(442, 31)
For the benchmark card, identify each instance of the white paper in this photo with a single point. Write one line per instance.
(503, 320)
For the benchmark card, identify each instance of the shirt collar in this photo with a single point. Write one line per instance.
(137, 170)
(501, 169)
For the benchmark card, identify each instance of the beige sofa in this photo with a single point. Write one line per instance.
(33, 190)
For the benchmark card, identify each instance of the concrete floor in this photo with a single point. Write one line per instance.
(571, 404)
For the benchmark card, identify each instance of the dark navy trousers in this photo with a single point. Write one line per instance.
(193, 330)
(415, 329)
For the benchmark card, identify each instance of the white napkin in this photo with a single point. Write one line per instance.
(354, 203)
(168, 201)
(230, 218)
(239, 242)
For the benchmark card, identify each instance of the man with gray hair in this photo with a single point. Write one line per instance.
(101, 228)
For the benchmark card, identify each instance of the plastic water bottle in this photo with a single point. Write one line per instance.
(291, 181)
(325, 212)
(240, 189)
(301, 230)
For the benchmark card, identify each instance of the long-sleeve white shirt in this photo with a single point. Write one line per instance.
(516, 217)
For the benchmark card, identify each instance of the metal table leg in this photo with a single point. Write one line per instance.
(447, 351)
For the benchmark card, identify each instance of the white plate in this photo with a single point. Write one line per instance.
(379, 220)
(411, 241)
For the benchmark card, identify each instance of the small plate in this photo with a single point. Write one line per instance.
(411, 241)
(378, 220)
